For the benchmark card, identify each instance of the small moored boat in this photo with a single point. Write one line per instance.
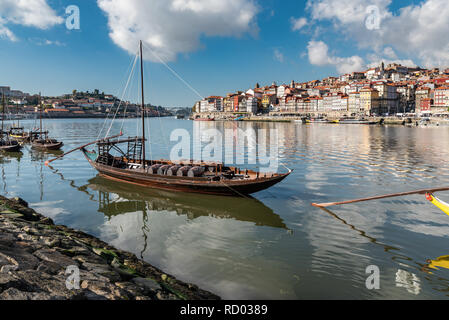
(6, 144)
(41, 141)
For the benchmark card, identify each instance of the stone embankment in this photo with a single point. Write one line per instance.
(43, 261)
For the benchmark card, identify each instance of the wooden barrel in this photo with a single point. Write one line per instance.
(212, 169)
(154, 168)
(162, 171)
(173, 171)
(196, 172)
(183, 171)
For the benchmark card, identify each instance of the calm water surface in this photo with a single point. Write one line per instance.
(275, 245)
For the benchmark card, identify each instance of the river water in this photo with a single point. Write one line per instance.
(274, 245)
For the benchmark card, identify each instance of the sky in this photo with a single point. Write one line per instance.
(199, 48)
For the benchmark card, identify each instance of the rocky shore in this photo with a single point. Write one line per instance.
(43, 261)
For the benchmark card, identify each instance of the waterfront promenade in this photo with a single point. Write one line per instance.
(279, 117)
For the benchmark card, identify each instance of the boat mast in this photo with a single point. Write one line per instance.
(3, 112)
(40, 116)
(143, 107)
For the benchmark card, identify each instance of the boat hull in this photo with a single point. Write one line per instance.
(185, 184)
(50, 146)
(11, 148)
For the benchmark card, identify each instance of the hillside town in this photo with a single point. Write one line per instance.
(381, 91)
(76, 105)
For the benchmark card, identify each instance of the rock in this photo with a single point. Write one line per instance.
(130, 288)
(8, 281)
(28, 237)
(20, 202)
(50, 268)
(50, 242)
(15, 294)
(106, 290)
(42, 282)
(23, 259)
(35, 254)
(89, 259)
(12, 215)
(9, 268)
(54, 256)
(125, 272)
(148, 284)
(7, 239)
(102, 270)
(106, 254)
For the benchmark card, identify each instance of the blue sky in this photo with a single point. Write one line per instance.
(55, 60)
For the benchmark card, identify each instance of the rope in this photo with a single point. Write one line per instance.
(131, 65)
(121, 100)
(232, 189)
(174, 72)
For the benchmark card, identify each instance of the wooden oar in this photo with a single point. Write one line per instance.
(394, 195)
(84, 146)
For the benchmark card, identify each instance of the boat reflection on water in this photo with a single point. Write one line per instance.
(6, 159)
(43, 155)
(135, 198)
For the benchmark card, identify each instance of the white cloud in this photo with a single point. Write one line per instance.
(170, 27)
(46, 42)
(298, 24)
(389, 52)
(345, 11)
(30, 13)
(318, 52)
(278, 55)
(416, 31)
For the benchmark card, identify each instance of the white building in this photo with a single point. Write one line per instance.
(251, 104)
(281, 91)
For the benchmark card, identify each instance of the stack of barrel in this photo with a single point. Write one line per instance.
(176, 170)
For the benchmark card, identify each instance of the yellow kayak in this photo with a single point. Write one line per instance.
(443, 206)
(441, 262)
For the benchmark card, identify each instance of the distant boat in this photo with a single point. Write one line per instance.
(6, 144)
(205, 119)
(180, 117)
(40, 139)
(356, 121)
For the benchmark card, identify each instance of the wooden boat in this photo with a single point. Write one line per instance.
(130, 165)
(6, 144)
(45, 143)
(41, 141)
(189, 176)
(443, 206)
(18, 134)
